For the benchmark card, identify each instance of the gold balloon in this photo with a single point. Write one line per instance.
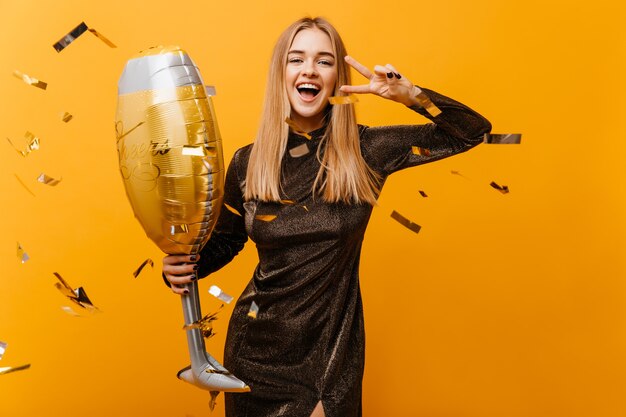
(169, 149)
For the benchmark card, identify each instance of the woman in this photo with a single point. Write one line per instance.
(304, 353)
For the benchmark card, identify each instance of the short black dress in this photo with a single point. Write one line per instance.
(307, 343)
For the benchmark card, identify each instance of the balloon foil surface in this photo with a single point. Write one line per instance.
(169, 149)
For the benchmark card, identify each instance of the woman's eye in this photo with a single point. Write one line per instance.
(294, 60)
(325, 63)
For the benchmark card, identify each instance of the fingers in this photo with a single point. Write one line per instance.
(180, 270)
(362, 69)
(355, 89)
(179, 259)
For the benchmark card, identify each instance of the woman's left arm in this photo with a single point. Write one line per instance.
(456, 127)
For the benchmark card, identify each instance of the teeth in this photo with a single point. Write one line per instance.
(307, 85)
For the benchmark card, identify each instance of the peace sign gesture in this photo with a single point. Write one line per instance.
(385, 82)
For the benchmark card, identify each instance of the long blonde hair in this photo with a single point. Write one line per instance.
(344, 176)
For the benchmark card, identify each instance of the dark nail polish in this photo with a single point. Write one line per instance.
(193, 277)
(398, 76)
(390, 75)
(195, 267)
(192, 258)
(186, 292)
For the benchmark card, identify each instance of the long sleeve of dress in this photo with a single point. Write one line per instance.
(458, 128)
(229, 234)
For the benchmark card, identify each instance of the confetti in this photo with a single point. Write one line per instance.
(24, 185)
(254, 310)
(193, 150)
(425, 102)
(296, 129)
(420, 151)
(423, 194)
(78, 295)
(44, 179)
(205, 324)
(405, 222)
(287, 202)
(210, 90)
(66, 117)
(21, 254)
(503, 189)
(179, 228)
(146, 262)
(75, 33)
(503, 138)
(232, 210)
(265, 217)
(343, 99)
(213, 401)
(70, 311)
(221, 295)
(30, 80)
(9, 369)
(3, 347)
(299, 151)
(32, 144)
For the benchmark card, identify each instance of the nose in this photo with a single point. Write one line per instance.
(309, 70)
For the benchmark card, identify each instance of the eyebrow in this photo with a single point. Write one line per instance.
(322, 53)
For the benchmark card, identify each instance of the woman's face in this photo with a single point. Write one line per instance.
(310, 77)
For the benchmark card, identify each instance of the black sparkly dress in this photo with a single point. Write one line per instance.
(308, 343)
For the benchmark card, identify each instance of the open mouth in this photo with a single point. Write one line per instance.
(308, 91)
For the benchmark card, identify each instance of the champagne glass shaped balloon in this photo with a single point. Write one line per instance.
(170, 156)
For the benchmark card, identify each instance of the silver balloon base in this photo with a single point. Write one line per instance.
(205, 371)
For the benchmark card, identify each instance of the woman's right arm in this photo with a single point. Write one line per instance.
(228, 238)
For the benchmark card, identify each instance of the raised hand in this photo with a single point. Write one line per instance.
(385, 82)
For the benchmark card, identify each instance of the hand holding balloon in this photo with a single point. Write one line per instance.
(180, 270)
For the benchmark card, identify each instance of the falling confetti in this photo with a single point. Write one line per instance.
(44, 179)
(210, 90)
(66, 117)
(213, 401)
(503, 138)
(32, 144)
(425, 102)
(77, 296)
(3, 348)
(70, 311)
(298, 151)
(146, 262)
(30, 80)
(24, 185)
(423, 194)
(405, 222)
(254, 310)
(219, 294)
(420, 151)
(9, 369)
(232, 210)
(503, 189)
(265, 217)
(296, 129)
(205, 324)
(75, 33)
(334, 100)
(21, 254)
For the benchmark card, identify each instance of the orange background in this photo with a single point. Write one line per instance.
(503, 305)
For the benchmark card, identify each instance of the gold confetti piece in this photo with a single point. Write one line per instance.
(218, 293)
(30, 80)
(425, 102)
(299, 150)
(503, 139)
(304, 207)
(70, 311)
(3, 347)
(78, 295)
(405, 222)
(70, 37)
(210, 90)
(146, 262)
(287, 202)
(265, 217)
(66, 117)
(205, 324)
(44, 179)
(232, 210)
(352, 98)
(9, 369)
(22, 256)
(213, 401)
(179, 228)
(459, 174)
(296, 129)
(423, 194)
(254, 310)
(193, 150)
(420, 151)
(503, 189)
(32, 144)
(102, 38)
(24, 185)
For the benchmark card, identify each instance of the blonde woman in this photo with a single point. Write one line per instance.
(304, 353)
